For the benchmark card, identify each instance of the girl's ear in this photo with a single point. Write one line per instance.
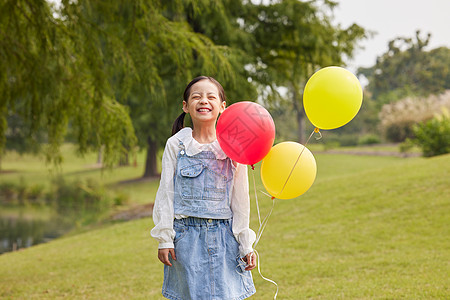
(222, 107)
(185, 107)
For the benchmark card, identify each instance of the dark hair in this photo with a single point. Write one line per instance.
(179, 122)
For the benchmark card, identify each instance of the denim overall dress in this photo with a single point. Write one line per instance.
(208, 264)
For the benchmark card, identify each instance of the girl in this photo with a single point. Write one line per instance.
(202, 206)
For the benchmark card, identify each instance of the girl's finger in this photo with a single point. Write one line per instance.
(251, 262)
(172, 253)
(166, 259)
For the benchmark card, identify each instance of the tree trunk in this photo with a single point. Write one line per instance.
(124, 160)
(299, 111)
(150, 162)
(100, 155)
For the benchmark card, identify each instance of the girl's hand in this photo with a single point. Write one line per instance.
(163, 255)
(250, 259)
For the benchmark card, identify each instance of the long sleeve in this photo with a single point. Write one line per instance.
(163, 213)
(240, 206)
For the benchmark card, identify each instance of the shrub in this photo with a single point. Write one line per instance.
(20, 193)
(8, 192)
(78, 197)
(35, 193)
(434, 136)
(344, 140)
(398, 118)
(348, 140)
(369, 139)
(399, 132)
(328, 145)
(406, 146)
(121, 198)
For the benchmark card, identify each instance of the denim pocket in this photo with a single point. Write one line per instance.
(191, 181)
(192, 170)
(180, 231)
(246, 276)
(241, 264)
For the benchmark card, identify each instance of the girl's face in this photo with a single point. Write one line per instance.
(204, 103)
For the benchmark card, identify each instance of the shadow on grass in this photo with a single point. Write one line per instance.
(138, 180)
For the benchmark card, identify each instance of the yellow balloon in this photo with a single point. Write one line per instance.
(332, 97)
(282, 177)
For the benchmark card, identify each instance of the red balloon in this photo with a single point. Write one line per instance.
(245, 131)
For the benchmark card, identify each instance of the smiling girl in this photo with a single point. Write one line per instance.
(202, 206)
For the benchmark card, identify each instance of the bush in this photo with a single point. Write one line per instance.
(341, 140)
(20, 193)
(121, 199)
(406, 146)
(398, 119)
(8, 192)
(78, 197)
(434, 136)
(328, 145)
(399, 132)
(35, 193)
(369, 139)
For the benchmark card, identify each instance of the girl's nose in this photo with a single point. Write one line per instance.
(203, 100)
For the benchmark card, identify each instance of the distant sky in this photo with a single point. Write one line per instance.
(391, 19)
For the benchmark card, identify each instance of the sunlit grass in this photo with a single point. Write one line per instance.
(369, 228)
(381, 149)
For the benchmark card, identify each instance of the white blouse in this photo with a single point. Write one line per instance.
(163, 212)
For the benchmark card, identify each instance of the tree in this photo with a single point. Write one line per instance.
(211, 27)
(92, 64)
(114, 71)
(292, 40)
(407, 69)
(47, 83)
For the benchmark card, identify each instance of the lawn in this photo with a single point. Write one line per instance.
(370, 227)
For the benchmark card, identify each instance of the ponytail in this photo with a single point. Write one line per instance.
(179, 123)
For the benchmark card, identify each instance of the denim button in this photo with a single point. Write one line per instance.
(182, 152)
(209, 221)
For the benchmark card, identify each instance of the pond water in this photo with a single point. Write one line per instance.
(20, 229)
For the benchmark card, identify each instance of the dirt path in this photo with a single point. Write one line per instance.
(133, 213)
(370, 153)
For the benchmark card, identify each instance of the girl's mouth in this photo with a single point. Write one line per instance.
(204, 110)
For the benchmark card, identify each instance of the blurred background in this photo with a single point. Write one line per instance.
(90, 89)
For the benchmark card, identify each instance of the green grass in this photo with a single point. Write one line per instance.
(369, 228)
(376, 148)
(377, 232)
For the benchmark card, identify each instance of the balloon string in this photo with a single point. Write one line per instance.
(266, 279)
(264, 223)
(262, 226)
(316, 130)
(256, 197)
